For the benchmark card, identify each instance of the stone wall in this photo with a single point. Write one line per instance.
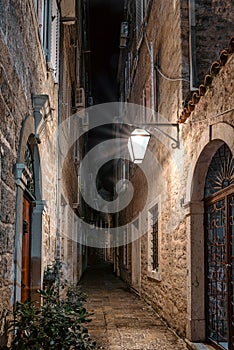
(23, 74)
(209, 25)
(172, 290)
(214, 28)
(211, 123)
(163, 29)
(170, 295)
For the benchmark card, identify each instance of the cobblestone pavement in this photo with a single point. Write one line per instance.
(122, 321)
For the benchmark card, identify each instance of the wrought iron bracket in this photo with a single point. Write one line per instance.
(157, 126)
(176, 141)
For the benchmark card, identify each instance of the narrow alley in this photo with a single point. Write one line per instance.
(117, 174)
(121, 320)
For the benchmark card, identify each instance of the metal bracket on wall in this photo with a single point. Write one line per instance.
(157, 126)
(176, 143)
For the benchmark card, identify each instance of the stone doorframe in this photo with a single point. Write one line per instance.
(31, 128)
(210, 141)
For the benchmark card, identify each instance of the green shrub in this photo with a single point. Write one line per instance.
(59, 323)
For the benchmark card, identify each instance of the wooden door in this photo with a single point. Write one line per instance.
(26, 251)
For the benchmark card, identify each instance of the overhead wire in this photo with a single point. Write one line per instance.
(168, 78)
(210, 118)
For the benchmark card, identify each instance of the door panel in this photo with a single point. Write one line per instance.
(26, 247)
(220, 271)
(217, 322)
(230, 268)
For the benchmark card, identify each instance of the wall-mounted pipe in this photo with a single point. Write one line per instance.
(152, 76)
(150, 48)
(192, 45)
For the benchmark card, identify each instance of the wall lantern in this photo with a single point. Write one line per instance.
(139, 139)
(137, 145)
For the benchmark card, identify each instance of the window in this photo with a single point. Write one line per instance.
(54, 57)
(126, 247)
(67, 93)
(29, 163)
(221, 171)
(148, 100)
(153, 242)
(141, 7)
(154, 238)
(125, 250)
(50, 35)
(36, 6)
(143, 106)
(46, 39)
(136, 254)
(127, 74)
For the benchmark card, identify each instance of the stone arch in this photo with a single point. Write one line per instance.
(27, 136)
(27, 130)
(210, 141)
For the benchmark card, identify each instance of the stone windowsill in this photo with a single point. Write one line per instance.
(155, 275)
(198, 346)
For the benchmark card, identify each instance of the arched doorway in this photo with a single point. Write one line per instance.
(219, 249)
(28, 199)
(29, 219)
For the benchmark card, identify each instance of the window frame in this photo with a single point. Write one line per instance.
(140, 15)
(46, 29)
(49, 33)
(154, 273)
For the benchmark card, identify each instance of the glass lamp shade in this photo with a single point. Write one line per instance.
(137, 145)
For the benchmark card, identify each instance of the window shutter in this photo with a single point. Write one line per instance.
(55, 19)
(47, 29)
(139, 20)
(139, 17)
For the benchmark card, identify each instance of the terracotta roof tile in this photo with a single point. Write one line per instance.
(214, 70)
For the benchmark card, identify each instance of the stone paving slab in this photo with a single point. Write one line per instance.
(122, 321)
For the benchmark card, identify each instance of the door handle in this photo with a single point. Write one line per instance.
(228, 266)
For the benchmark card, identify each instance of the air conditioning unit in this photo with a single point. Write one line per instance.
(76, 207)
(124, 30)
(123, 34)
(80, 98)
(85, 121)
(90, 101)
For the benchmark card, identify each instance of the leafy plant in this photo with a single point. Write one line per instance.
(59, 323)
(53, 275)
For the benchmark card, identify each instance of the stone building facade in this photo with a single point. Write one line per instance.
(178, 62)
(43, 81)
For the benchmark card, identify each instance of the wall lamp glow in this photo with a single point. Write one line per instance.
(137, 145)
(139, 139)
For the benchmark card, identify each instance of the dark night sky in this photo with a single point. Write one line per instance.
(105, 18)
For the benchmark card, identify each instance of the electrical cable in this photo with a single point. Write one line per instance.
(170, 79)
(208, 119)
(159, 71)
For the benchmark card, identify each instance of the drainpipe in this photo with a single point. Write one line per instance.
(152, 75)
(192, 45)
(151, 52)
(59, 174)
